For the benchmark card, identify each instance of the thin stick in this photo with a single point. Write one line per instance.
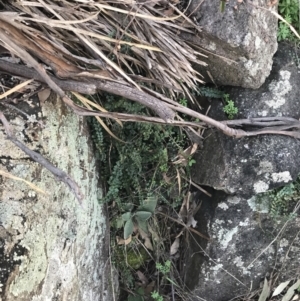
(61, 175)
(185, 226)
(94, 86)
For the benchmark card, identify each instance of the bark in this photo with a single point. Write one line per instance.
(50, 247)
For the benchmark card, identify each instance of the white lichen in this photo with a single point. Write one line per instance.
(260, 187)
(223, 206)
(284, 176)
(279, 89)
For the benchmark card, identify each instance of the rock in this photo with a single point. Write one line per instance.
(246, 246)
(239, 43)
(51, 248)
(247, 243)
(254, 164)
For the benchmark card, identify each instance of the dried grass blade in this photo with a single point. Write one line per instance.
(85, 102)
(34, 187)
(107, 60)
(95, 105)
(92, 34)
(60, 22)
(122, 11)
(16, 88)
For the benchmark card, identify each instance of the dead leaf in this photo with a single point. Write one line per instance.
(149, 288)
(194, 148)
(175, 246)
(147, 241)
(191, 222)
(291, 291)
(280, 288)
(265, 292)
(166, 178)
(178, 180)
(44, 95)
(169, 12)
(142, 277)
(121, 241)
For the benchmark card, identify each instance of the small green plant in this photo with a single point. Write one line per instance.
(289, 10)
(183, 102)
(230, 109)
(156, 296)
(280, 200)
(191, 162)
(164, 268)
(139, 217)
(284, 32)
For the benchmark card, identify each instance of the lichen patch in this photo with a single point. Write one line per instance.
(284, 176)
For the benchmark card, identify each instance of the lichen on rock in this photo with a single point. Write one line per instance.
(51, 247)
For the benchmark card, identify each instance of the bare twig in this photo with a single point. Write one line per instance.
(93, 86)
(185, 226)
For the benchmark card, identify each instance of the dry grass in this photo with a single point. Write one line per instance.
(123, 39)
(111, 46)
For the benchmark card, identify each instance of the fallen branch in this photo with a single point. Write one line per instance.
(93, 86)
(59, 174)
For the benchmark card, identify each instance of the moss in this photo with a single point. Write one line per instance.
(133, 258)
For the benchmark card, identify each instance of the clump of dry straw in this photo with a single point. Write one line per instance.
(128, 42)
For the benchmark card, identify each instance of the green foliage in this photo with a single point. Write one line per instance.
(280, 200)
(209, 92)
(134, 170)
(139, 217)
(139, 173)
(156, 296)
(191, 162)
(230, 109)
(130, 258)
(289, 10)
(127, 260)
(183, 102)
(128, 228)
(164, 268)
(284, 32)
(138, 295)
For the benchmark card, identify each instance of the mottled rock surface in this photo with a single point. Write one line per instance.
(246, 246)
(247, 243)
(50, 247)
(255, 164)
(240, 42)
